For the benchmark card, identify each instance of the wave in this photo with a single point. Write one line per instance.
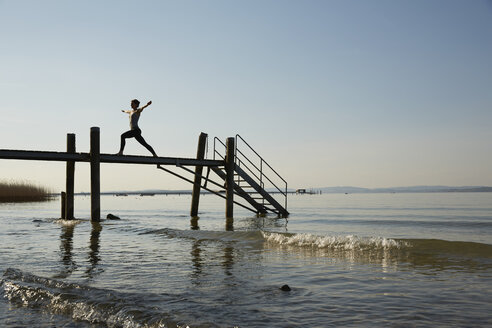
(413, 254)
(410, 253)
(69, 223)
(82, 303)
(333, 242)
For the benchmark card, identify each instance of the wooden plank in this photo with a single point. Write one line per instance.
(36, 155)
(43, 155)
(130, 159)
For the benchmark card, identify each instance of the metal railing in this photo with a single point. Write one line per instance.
(217, 153)
(255, 166)
(259, 169)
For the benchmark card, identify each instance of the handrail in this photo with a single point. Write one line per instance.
(261, 170)
(255, 170)
(254, 174)
(237, 135)
(256, 167)
(215, 150)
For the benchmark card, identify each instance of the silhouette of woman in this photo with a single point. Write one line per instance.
(135, 131)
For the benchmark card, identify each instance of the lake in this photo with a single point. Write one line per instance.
(371, 260)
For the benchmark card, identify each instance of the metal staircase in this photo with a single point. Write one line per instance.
(260, 188)
(255, 181)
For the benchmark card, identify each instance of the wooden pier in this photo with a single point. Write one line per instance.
(227, 167)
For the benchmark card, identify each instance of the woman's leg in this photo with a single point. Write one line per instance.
(142, 141)
(127, 134)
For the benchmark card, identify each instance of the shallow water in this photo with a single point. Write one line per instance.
(350, 260)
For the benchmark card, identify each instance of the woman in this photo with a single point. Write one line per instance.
(135, 131)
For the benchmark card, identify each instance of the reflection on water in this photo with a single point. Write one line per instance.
(228, 261)
(67, 261)
(94, 258)
(197, 261)
(265, 223)
(66, 247)
(201, 255)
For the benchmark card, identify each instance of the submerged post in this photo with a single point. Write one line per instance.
(69, 188)
(200, 154)
(63, 205)
(229, 167)
(95, 175)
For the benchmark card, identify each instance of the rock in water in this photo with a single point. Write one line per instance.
(112, 217)
(285, 288)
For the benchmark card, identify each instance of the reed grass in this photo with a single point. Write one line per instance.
(23, 192)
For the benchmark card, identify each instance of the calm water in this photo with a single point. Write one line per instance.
(370, 260)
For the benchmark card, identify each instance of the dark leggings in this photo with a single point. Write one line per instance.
(137, 134)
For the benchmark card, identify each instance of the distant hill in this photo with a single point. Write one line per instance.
(353, 190)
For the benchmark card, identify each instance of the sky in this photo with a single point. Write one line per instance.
(378, 93)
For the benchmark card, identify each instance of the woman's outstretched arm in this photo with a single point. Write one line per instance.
(143, 107)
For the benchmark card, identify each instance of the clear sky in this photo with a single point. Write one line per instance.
(362, 93)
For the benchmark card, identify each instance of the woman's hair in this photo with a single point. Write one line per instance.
(136, 102)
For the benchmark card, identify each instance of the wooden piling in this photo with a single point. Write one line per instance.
(229, 168)
(63, 205)
(200, 155)
(95, 175)
(69, 188)
(229, 226)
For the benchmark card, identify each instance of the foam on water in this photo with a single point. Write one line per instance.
(68, 223)
(333, 242)
(81, 303)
